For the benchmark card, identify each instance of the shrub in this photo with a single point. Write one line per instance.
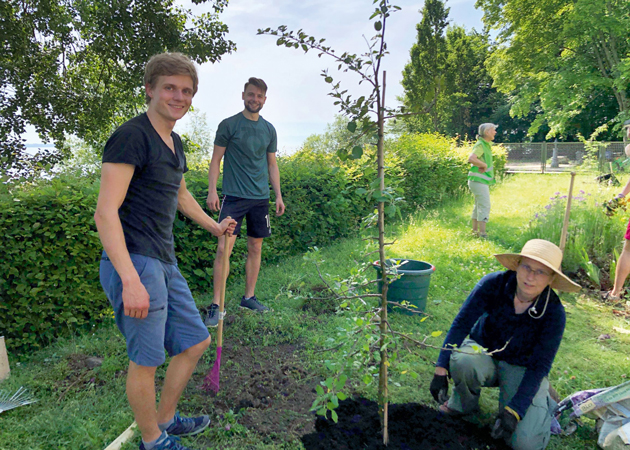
(591, 236)
(432, 167)
(49, 271)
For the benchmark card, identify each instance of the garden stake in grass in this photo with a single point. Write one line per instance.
(565, 225)
(211, 382)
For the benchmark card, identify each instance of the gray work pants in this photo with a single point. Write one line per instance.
(471, 371)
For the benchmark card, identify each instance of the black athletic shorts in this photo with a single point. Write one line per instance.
(255, 211)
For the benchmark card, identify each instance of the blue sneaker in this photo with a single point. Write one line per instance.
(186, 426)
(170, 443)
(253, 304)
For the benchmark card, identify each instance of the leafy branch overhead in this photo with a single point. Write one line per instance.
(76, 67)
(361, 111)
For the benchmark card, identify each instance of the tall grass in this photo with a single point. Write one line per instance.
(536, 206)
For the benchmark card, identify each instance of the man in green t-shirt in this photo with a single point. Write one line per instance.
(249, 144)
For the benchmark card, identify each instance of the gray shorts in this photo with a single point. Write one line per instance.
(481, 191)
(173, 323)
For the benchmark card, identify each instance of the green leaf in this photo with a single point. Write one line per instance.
(341, 382)
(357, 152)
(390, 210)
(352, 127)
(378, 25)
(341, 396)
(436, 334)
(367, 379)
(319, 390)
(328, 79)
(334, 416)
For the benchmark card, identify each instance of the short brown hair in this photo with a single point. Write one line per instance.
(260, 84)
(167, 64)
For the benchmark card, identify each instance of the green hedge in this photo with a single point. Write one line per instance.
(48, 271)
(431, 168)
(50, 247)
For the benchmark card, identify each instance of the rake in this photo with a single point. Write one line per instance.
(211, 382)
(20, 398)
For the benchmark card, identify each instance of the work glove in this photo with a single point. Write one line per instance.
(439, 388)
(505, 425)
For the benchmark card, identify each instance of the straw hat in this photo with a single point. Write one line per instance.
(545, 253)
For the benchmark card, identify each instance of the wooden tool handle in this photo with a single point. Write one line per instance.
(225, 263)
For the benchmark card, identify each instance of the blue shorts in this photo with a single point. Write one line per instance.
(173, 322)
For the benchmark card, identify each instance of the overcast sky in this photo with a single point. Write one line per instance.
(298, 104)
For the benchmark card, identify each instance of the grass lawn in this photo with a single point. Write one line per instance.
(85, 408)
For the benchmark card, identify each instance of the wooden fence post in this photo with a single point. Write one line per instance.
(4, 361)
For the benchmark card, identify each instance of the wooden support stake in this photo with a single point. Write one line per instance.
(127, 435)
(565, 225)
(5, 371)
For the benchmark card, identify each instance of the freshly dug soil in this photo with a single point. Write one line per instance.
(267, 385)
(411, 427)
(272, 393)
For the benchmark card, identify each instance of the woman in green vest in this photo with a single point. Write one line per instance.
(481, 176)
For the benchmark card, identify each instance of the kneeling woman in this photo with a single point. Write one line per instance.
(518, 318)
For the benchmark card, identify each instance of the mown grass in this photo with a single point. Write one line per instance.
(89, 415)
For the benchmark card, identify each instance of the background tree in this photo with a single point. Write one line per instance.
(75, 67)
(335, 137)
(463, 95)
(197, 138)
(424, 77)
(561, 59)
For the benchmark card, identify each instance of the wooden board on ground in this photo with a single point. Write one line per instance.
(126, 435)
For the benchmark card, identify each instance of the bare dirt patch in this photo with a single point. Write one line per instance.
(267, 385)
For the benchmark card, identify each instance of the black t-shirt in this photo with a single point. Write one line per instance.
(148, 211)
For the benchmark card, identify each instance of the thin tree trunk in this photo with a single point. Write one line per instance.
(382, 379)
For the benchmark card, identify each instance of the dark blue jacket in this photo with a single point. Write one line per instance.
(489, 318)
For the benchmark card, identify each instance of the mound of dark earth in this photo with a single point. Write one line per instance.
(412, 426)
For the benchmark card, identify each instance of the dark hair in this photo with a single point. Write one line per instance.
(260, 84)
(167, 64)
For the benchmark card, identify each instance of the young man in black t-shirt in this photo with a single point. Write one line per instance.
(142, 187)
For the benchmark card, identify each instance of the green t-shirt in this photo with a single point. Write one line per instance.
(246, 142)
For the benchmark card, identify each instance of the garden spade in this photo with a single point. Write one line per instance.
(211, 382)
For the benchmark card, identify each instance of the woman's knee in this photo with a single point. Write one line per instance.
(463, 365)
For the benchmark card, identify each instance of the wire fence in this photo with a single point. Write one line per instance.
(551, 157)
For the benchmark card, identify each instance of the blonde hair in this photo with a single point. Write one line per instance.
(167, 64)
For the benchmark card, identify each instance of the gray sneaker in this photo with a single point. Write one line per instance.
(253, 304)
(212, 319)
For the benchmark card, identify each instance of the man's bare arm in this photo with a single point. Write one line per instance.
(213, 177)
(189, 207)
(115, 180)
(274, 178)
